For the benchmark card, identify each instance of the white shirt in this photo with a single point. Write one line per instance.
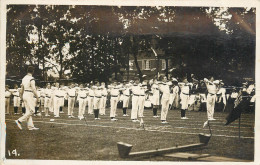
(7, 94)
(175, 90)
(82, 93)
(114, 90)
(155, 90)
(72, 92)
(135, 89)
(97, 91)
(26, 82)
(165, 89)
(48, 92)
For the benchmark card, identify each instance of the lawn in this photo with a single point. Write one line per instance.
(74, 139)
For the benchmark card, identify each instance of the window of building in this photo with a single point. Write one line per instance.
(146, 64)
(131, 64)
(163, 64)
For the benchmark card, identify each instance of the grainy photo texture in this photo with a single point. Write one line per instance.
(153, 83)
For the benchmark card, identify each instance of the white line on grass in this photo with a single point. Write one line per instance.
(138, 129)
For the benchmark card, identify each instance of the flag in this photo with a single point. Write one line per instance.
(241, 103)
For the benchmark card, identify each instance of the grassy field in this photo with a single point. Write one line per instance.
(73, 139)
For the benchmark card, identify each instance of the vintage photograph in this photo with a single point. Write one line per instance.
(130, 83)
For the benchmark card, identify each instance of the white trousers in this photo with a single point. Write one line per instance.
(47, 102)
(134, 107)
(7, 105)
(97, 102)
(30, 109)
(184, 101)
(90, 105)
(17, 101)
(140, 110)
(82, 106)
(211, 99)
(125, 101)
(103, 105)
(56, 105)
(71, 103)
(165, 107)
(113, 104)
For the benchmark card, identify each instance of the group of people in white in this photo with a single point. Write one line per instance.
(94, 98)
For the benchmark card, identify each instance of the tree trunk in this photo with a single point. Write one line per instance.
(61, 62)
(137, 67)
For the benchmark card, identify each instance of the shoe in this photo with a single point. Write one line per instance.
(56, 116)
(184, 118)
(212, 119)
(126, 115)
(69, 117)
(157, 116)
(133, 120)
(17, 113)
(113, 119)
(164, 122)
(72, 116)
(18, 124)
(34, 128)
(61, 112)
(14, 113)
(47, 115)
(38, 114)
(137, 120)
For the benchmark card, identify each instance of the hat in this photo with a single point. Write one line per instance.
(174, 79)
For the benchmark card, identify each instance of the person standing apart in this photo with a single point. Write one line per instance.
(28, 90)
(71, 100)
(165, 89)
(211, 97)
(82, 99)
(103, 99)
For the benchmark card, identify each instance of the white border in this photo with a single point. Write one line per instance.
(197, 3)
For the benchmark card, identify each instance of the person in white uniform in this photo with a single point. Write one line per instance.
(155, 97)
(82, 99)
(47, 99)
(97, 99)
(175, 94)
(71, 100)
(141, 100)
(114, 93)
(211, 97)
(58, 97)
(90, 100)
(103, 99)
(28, 90)
(165, 89)
(7, 99)
(126, 97)
(135, 99)
(16, 99)
(185, 93)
